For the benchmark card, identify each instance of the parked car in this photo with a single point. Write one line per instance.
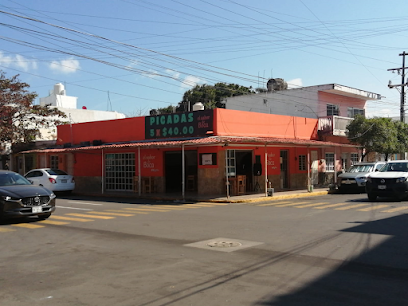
(52, 179)
(19, 198)
(355, 178)
(390, 181)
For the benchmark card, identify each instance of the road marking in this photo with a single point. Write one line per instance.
(204, 205)
(91, 216)
(330, 205)
(311, 205)
(351, 206)
(71, 219)
(137, 211)
(291, 204)
(395, 209)
(171, 207)
(126, 211)
(113, 214)
(273, 204)
(5, 230)
(148, 209)
(373, 207)
(84, 203)
(27, 225)
(74, 208)
(53, 222)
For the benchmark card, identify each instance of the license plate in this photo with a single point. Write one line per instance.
(37, 209)
(63, 181)
(382, 187)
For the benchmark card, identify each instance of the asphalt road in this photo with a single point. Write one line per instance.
(327, 250)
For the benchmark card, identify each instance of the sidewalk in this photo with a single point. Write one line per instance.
(247, 198)
(259, 197)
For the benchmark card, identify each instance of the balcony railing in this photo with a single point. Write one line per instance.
(334, 125)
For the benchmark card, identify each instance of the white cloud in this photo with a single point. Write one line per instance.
(174, 74)
(18, 61)
(151, 74)
(69, 65)
(295, 83)
(190, 81)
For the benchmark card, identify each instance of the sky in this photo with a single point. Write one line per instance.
(131, 56)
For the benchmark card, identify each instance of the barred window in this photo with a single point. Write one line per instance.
(329, 162)
(54, 161)
(119, 171)
(302, 162)
(333, 110)
(354, 158)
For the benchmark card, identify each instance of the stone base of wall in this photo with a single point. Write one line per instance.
(88, 184)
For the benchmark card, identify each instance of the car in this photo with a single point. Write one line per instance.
(52, 179)
(19, 198)
(390, 181)
(355, 178)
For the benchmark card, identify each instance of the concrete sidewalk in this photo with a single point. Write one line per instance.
(247, 198)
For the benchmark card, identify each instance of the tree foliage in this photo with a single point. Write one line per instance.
(381, 135)
(211, 96)
(20, 120)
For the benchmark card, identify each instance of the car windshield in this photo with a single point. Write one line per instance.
(401, 167)
(55, 172)
(360, 168)
(9, 179)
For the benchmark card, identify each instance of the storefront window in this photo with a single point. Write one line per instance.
(231, 170)
(119, 171)
(329, 162)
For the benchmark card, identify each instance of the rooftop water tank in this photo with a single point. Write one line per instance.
(198, 106)
(58, 89)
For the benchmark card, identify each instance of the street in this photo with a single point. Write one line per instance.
(336, 249)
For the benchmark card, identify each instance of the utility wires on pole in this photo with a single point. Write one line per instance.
(402, 85)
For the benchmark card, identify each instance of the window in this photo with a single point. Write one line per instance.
(54, 161)
(119, 171)
(329, 162)
(231, 162)
(333, 110)
(302, 162)
(352, 112)
(354, 158)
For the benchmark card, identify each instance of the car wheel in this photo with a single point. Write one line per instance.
(43, 217)
(372, 197)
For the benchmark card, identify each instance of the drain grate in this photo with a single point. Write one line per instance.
(224, 244)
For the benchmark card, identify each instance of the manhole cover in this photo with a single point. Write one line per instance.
(224, 244)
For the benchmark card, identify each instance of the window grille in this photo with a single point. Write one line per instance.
(333, 110)
(302, 162)
(119, 171)
(329, 162)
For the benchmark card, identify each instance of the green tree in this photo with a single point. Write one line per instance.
(212, 96)
(20, 120)
(381, 135)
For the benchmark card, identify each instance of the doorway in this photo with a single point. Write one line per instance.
(244, 164)
(173, 170)
(284, 169)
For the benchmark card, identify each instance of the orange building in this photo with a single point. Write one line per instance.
(208, 152)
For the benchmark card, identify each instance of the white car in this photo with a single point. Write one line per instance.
(52, 179)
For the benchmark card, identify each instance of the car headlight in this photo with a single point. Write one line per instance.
(52, 196)
(9, 199)
(401, 180)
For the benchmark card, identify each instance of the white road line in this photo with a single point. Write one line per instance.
(73, 208)
(84, 203)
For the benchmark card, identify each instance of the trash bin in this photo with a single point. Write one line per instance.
(270, 191)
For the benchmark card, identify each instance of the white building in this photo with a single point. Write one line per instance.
(68, 104)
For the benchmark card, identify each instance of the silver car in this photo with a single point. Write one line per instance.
(355, 178)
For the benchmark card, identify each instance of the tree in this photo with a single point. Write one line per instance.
(381, 135)
(212, 96)
(20, 120)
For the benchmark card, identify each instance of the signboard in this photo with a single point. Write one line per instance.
(177, 125)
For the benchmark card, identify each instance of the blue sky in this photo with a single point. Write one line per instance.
(134, 55)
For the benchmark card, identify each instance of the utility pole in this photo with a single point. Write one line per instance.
(402, 85)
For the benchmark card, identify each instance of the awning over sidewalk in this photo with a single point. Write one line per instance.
(212, 140)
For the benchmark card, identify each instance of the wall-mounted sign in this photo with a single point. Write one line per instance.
(176, 125)
(208, 159)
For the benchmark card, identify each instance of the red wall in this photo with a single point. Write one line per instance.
(241, 123)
